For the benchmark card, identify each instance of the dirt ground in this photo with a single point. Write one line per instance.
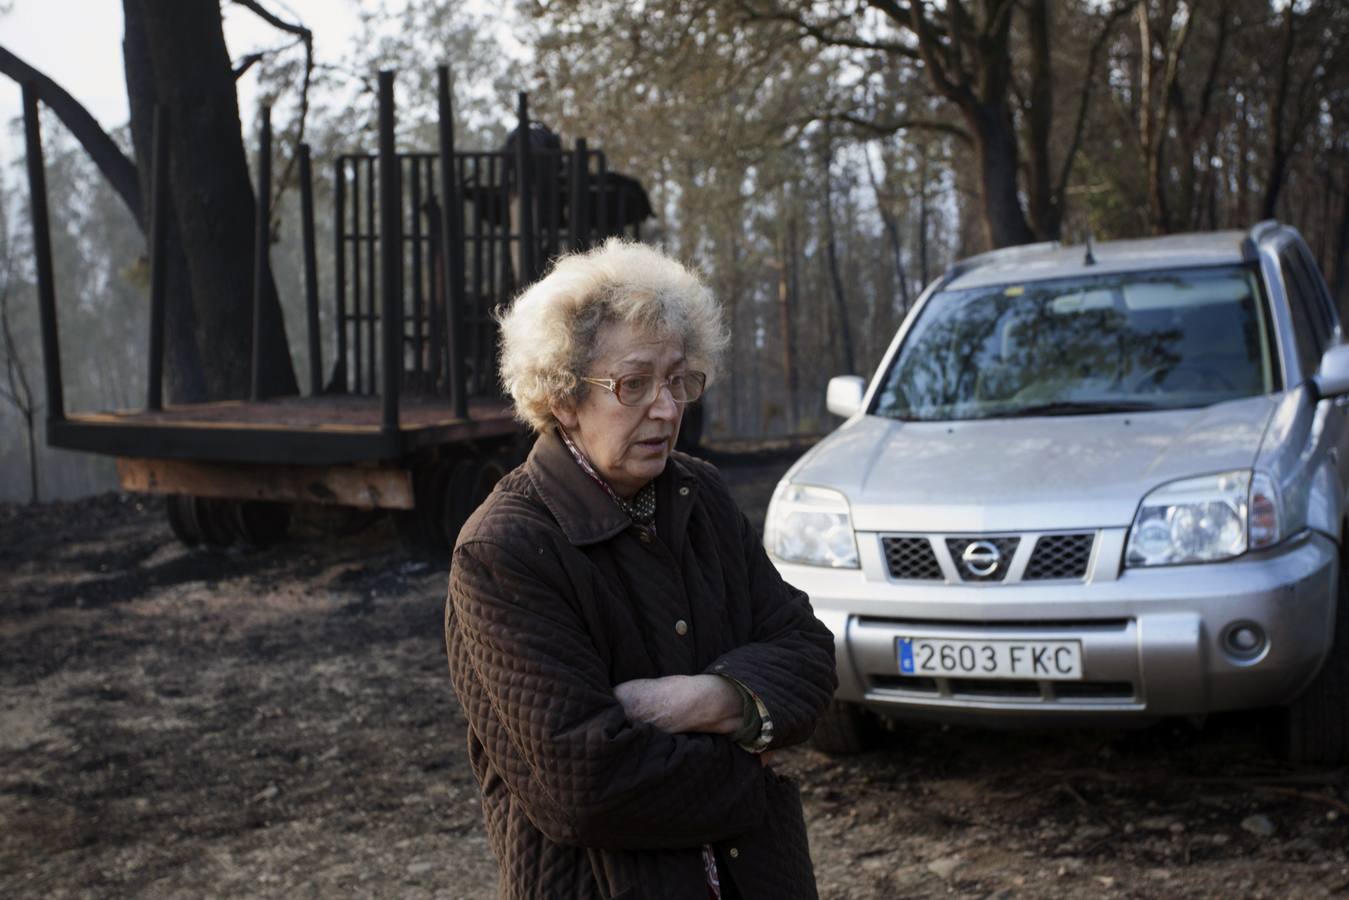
(188, 722)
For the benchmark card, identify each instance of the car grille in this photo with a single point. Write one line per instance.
(1053, 557)
(1059, 556)
(969, 571)
(911, 558)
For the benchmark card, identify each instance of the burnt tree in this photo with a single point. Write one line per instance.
(175, 55)
(192, 77)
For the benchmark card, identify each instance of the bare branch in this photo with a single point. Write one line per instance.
(19, 392)
(307, 38)
(247, 63)
(1084, 101)
(824, 32)
(891, 126)
(1000, 18)
(928, 46)
(111, 161)
(1211, 80)
(274, 21)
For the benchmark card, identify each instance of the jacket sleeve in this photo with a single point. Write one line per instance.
(789, 662)
(537, 695)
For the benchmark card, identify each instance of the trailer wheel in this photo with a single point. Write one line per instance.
(182, 516)
(472, 481)
(419, 528)
(215, 518)
(260, 524)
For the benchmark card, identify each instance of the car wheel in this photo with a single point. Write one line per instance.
(844, 729)
(1316, 724)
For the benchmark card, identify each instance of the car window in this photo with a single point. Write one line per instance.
(1310, 331)
(1145, 340)
(1317, 293)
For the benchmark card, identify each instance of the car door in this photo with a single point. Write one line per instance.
(1317, 328)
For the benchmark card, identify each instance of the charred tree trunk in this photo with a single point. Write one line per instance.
(970, 64)
(32, 456)
(1243, 164)
(923, 272)
(1278, 117)
(787, 305)
(1151, 131)
(1045, 213)
(1342, 257)
(996, 148)
(891, 224)
(831, 254)
(212, 195)
(737, 339)
(185, 380)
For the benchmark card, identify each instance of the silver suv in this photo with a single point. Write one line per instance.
(1090, 483)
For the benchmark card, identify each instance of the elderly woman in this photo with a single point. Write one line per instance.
(623, 649)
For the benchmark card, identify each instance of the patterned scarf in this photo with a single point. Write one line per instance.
(642, 509)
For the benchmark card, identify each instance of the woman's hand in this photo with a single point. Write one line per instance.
(683, 703)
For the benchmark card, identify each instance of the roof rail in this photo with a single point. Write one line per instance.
(1259, 231)
(970, 263)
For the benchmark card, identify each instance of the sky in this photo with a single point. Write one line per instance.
(78, 43)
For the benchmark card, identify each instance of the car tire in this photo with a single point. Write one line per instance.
(1316, 724)
(844, 729)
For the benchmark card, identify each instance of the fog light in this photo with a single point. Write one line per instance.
(1245, 640)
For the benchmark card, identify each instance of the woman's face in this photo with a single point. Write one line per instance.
(627, 445)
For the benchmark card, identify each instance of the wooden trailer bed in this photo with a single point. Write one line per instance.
(322, 430)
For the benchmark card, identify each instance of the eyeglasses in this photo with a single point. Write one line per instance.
(639, 390)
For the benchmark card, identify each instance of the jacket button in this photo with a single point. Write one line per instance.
(644, 537)
(681, 628)
(684, 491)
(735, 854)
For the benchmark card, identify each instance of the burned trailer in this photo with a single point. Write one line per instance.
(410, 417)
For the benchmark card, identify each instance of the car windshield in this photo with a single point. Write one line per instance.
(1121, 342)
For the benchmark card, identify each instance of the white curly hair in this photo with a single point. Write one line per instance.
(549, 334)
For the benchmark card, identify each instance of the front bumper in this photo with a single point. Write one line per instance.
(1152, 639)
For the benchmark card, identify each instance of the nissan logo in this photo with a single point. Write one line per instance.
(981, 558)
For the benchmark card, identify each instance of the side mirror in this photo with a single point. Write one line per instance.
(844, 396)
(1332, 380)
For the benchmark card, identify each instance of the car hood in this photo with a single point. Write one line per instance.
(1028, 474)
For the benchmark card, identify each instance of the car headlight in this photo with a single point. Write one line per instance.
(1205, 519)
(810, 525)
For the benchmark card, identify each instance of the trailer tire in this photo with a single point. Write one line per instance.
(472, 481)
(215, 518)
(419, 528)
(182, 516)
(260, 524)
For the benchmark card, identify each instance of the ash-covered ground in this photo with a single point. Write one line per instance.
(183, 722)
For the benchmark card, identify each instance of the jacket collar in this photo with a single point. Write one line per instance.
(584, 512)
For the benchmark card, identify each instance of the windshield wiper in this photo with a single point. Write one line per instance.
(1078, 408)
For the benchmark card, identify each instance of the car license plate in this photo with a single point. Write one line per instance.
(953, 657)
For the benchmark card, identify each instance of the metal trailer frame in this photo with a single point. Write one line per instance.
(411, 417)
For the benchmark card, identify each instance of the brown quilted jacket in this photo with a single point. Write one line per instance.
(555, 598)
